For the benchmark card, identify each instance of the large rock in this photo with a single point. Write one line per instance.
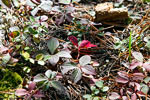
(105, 12)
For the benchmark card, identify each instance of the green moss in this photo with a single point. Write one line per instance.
(9, 80)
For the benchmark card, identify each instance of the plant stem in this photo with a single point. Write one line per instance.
(130, 43)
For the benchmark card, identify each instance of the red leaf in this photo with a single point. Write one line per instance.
(140, 93)
(74, 40)
(86, 44)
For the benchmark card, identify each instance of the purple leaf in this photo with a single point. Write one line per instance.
(70, 9)
(123, 74)
(114, 96)
(60, 20)
(88, 69)
(146, 65)
(135, 64)
(124, 98)
(21, 92)
(31, 86)
(138, 76)
(38, 94)
(43, 18)
(133, 97)
(135, 85)
(121, 80)
(3, 49)
(68, 17)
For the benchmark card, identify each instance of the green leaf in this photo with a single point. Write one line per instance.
(50, 74)
(96, 91)
(53, 59)
(64, 54)
(147, 79)
(93, 88)
(67, 67)
(65, 1)
(144, 88)
(138, 56)
(87, 96)
(39, 78)
(6, 58)
(99, 84)
(27, 69)
(76, 75)
(41, 62)
(26, 55)
(84, 60)
(96, 98)
(39, 57)
(31, 60)
(52, 44)
(16, 3)
(105, 88)
(46, 57)
(7, 3)
(57, 85)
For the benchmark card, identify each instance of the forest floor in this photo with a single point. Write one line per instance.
(66, 50)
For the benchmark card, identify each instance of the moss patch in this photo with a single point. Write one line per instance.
(9, 80)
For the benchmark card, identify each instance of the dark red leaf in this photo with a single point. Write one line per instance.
(140, 93)
(86, 44)
(74, 40)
